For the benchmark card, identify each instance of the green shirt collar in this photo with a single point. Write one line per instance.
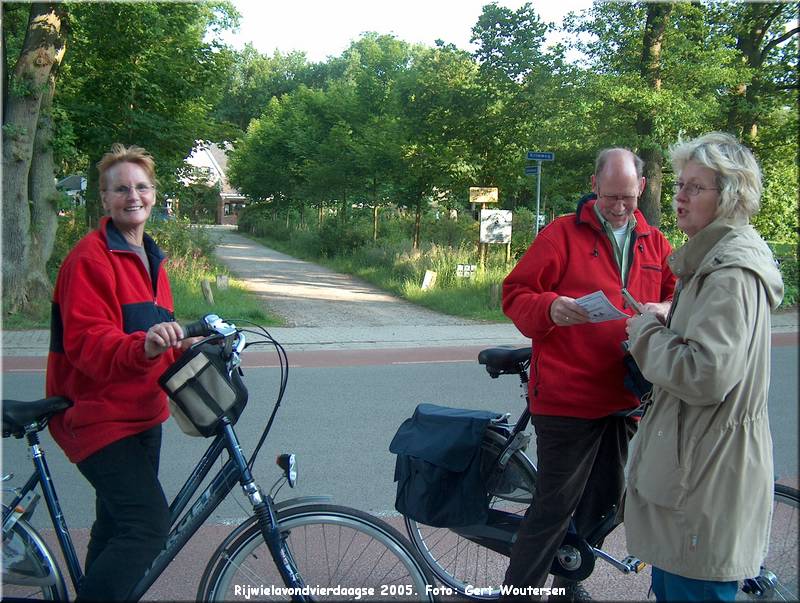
(621, 256)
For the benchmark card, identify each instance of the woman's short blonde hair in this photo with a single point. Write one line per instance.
(738, 174)
(119, 153)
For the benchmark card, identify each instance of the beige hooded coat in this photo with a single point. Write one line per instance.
(700, 481)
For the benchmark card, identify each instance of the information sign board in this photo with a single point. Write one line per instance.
(495, 226)
(482, 194)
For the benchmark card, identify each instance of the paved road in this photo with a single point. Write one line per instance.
(341, 409)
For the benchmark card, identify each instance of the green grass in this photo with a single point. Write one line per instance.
(190, 260)
(37, 316)
(398, 270)
(235, 302)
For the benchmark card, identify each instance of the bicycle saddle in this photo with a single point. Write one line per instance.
(19, 413)
(505, 361)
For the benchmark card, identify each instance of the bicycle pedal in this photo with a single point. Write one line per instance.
(634, 564)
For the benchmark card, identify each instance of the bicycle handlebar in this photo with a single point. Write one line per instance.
(210, 324)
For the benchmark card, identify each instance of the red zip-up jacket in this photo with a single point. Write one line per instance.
(103, 303)
(577, 371)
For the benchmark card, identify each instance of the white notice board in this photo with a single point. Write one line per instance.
(495, 226)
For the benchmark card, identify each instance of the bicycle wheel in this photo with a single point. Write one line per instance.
(779, 580)
(29, 568)
(340, 554)
(461, 564)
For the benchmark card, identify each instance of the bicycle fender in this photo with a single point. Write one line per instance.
(302, 500)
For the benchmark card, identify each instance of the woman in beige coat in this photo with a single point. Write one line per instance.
(700, 481)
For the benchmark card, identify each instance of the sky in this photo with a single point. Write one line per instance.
(325, 28)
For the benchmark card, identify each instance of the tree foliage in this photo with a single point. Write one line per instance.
(153, 82)
(414, 126)
(144, 73)
(390, 123)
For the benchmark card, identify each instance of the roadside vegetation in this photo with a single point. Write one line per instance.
(189, 250)
(391, 263)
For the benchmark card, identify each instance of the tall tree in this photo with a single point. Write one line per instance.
(254, 79)
(657, 21)
(28, 210)
(766, 35)
(656, 70)
(519, 79)
(144, 73)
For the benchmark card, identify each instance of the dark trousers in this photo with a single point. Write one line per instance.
(132, 515)
(581, 471)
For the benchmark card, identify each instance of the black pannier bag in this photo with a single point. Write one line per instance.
(438, 466)
(201, 391)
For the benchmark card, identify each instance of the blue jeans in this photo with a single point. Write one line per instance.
(672, 587)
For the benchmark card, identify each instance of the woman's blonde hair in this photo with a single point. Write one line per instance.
(119, 153)
(738, 175)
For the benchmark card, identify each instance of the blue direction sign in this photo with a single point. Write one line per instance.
(539, 156)
(531, 170)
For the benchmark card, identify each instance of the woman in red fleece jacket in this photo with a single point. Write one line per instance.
(112, 335)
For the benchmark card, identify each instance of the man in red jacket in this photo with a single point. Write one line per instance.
(576, 369)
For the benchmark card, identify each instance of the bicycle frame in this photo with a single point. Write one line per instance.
(183, 527)
(41, 476)
(499, 531)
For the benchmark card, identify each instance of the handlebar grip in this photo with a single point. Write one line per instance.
(198, 328)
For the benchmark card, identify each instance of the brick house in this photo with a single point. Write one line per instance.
(212, 159)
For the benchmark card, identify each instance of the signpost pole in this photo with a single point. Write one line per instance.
(482, 247)
(538, 191)
(538, 157)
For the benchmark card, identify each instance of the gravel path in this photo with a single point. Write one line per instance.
(308, 295)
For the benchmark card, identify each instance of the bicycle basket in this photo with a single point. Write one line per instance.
(201, 391)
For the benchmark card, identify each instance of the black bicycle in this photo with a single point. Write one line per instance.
(299, 549)
(472, 560)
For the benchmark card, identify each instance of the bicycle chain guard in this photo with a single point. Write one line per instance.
(574, 560)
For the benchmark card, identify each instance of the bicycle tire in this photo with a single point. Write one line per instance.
(460, 563)
(779, 570)
(330, 546)
(30, 570)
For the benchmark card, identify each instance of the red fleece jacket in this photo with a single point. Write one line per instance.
(103, 303)
(577, 371)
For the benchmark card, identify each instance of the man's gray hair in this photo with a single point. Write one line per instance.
(738, 175)
(603, 156)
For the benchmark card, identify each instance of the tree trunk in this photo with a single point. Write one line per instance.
(649, 149)
(417, 223)
(375, 223)
(42, 51)
(94, 208)
(45, 199)
(343, 216)
(650, 202)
